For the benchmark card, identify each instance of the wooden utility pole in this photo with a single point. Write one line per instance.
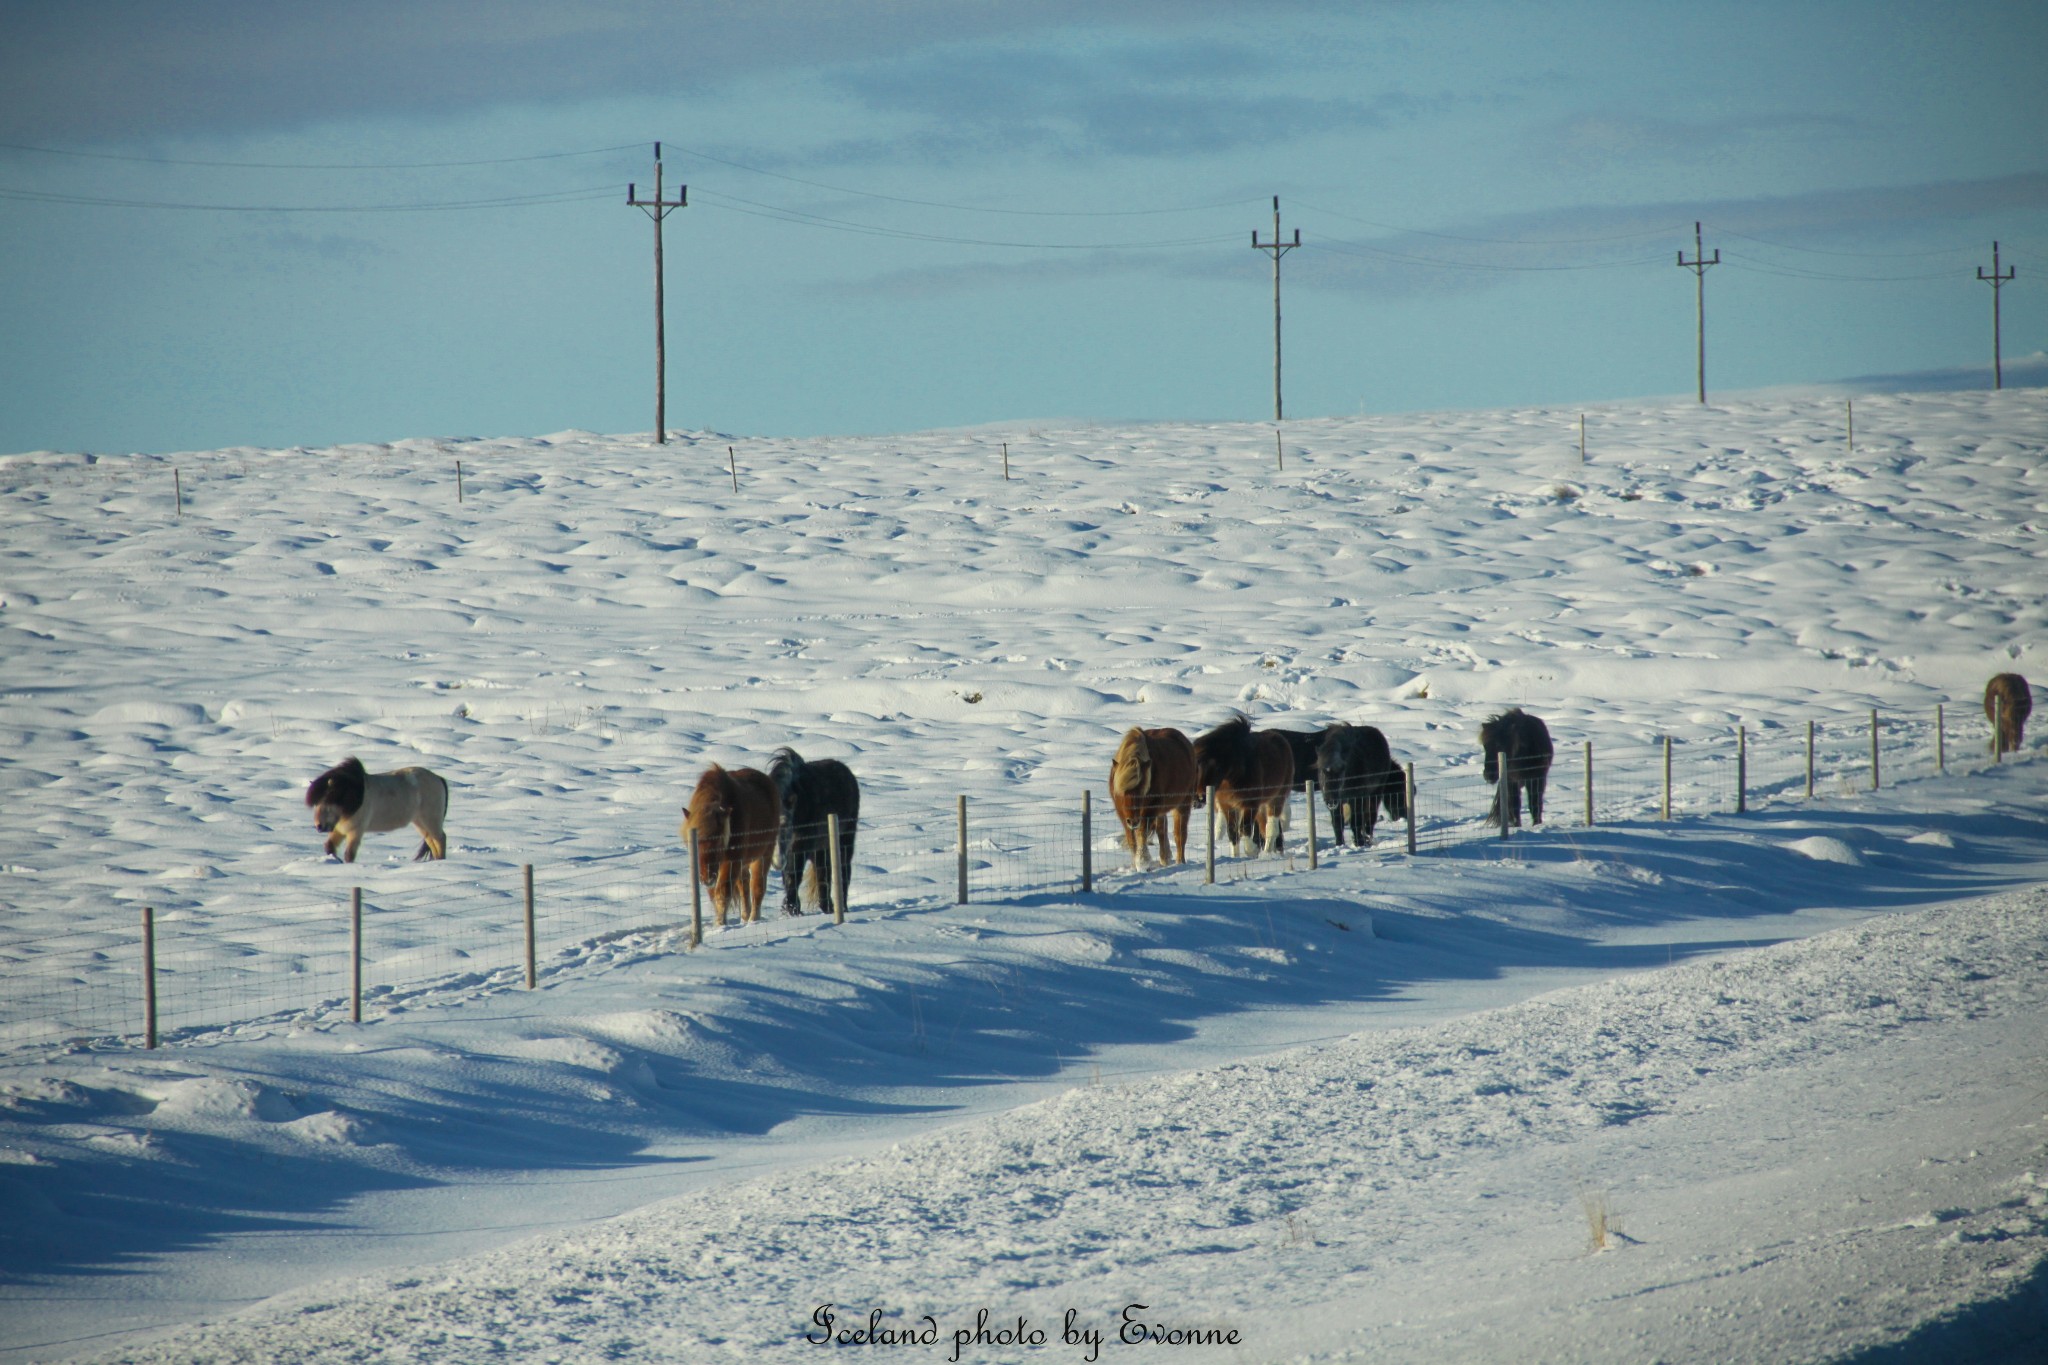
(1997, 282)
(1278, 249)
(1698, 266)
(658, 208)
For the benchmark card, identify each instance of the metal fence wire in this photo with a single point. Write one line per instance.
(438, 934)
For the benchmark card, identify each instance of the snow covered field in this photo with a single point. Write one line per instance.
(1375, 1110)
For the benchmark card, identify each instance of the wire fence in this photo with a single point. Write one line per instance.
(438, 935)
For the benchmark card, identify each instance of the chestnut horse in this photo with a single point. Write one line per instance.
(1153, 777)
(2008, 701)
(736, 816)
(1253, 774)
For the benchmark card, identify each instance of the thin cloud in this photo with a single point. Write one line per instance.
(98, 71)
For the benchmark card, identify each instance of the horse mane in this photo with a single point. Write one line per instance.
(1230, 742)
(786, 770)
(341, 784)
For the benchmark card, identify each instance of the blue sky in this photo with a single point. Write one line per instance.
(242, 223)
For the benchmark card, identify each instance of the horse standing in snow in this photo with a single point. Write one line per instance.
(1154, 778)
(348, 803)
(1518, 747)
(2008, 701)
(1359, 777)
(736, 816)
(809, 793)
(1253, 774)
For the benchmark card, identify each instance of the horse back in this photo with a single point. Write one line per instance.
(756, 813)
(1175, 778)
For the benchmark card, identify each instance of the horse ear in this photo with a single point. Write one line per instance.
(352, 764)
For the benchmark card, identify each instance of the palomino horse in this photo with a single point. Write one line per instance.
(1517, 745)
(809, 793)
(1153, 777)
(2008, 701)
(735, 816)
(1253, 774)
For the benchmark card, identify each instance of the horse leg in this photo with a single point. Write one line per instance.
(757, 886)
(1536, 785)
(1180, 834)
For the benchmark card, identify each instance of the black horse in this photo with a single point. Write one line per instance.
(810, 792)
(1359, 778)
(1302, 747)
(1518, 747)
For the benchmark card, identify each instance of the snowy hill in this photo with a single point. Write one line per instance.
(1374, 1109)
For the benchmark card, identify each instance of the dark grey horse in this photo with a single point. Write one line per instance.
(810, 792)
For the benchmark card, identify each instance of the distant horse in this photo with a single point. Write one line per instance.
(348, 803)
(810, 792)
(1519, 744)
(1359, 777)
(736, 816)
(1253, 774)
(2008, 701)
(1154, 777)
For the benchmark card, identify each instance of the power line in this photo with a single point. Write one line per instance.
(1861, 255)
(1793, 272)
(1367, 251)
(497, 202)
(1497, 241)
(754, 208)
(963, 208)
(314, 165)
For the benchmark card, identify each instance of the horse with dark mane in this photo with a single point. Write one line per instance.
(736, 816)
(1359, 778)
(809, 793)
(1154, 777)
(349, 802)
(1302, 747)
(1253, 774)
(1518, 749)
(2008, 701)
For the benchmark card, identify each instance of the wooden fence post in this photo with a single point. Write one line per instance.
(963, 852)
(696, 897)
(1589, 784)
(1087, 841)
(1409, 794)
(532, 972)
(458, 481)
(1209, 860)
(1940, 740)
(1741, 769)
(1308, 794)
(732, 463)
(1809, 760)
(149, 976)
(837, 869)
(178, 488)
(1500, 798)
(1667, 777)
(1873, 749)
(355, 955)
(1006, 462)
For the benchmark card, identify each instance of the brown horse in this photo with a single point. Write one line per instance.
(1253, 774)
(1152, 777)
(2008, 701)
(736, 816)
